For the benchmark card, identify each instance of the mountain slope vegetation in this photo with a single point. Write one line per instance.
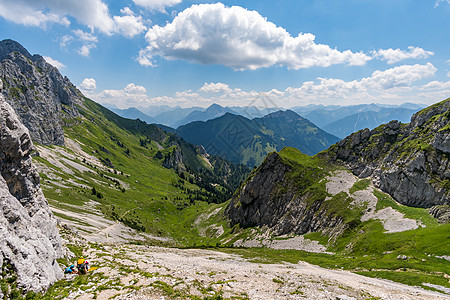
(294, 199)
(246, 141)
(141, 168)
(160, 189)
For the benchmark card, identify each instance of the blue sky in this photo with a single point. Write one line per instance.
(194, 53)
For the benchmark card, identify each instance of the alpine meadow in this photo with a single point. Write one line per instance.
(204, 150)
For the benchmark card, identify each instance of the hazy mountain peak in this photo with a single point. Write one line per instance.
(214, 106)
(287, 114)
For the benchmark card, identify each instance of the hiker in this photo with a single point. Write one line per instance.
(70, 270)
(83, 266)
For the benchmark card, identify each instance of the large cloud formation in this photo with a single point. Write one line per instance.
(238, 38)
(389, 86)
(92, 13)
(395, 55)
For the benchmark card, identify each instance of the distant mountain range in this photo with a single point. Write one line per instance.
(212, 112)
(134, 113)
(337, 120)
(368, 119)
(324, 115)
(246, 141)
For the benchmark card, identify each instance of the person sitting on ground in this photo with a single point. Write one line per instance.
(70, 270)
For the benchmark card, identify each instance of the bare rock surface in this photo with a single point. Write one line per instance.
(29, 238)
(270, 199)
(283, 242)
(410, 162)
(341, 181)
(42, 98)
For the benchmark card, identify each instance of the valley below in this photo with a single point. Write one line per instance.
(219, 263)
(280, 210)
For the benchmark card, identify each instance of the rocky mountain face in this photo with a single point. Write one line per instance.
(42, 98)
(272, 198)
(410, 162)
(29, 239)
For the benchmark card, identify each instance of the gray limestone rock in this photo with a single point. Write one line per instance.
(270, 199)
(42, 98)
(411, 162)
(29, 238)
(441, 212)
(174, 159)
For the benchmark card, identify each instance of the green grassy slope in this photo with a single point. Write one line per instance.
(365, 246)
(131, 184)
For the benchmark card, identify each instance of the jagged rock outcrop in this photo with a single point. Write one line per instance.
(441, 213)
(269, 198)
(29, 238)
(174, 159)
(42, 98)
(410, 162)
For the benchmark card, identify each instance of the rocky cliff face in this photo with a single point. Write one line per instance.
(270, 198)
(29, 239)
(174, 159)
(42, 98)
(410, 162)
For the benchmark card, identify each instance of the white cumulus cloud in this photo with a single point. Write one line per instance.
(395, 55)
(92, 13)
(238, 38)
(30, 15)
(402, 76)
(390, 85)
(156, 4)
(85, 36)
(85, 50)
(65, 41)
(129, 25)
(399, 76)
(131, 95)
(436, 4)
(54, 62)
(88, 84)
(215, 88)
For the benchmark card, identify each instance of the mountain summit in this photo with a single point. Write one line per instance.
(248, 141)
(42, 98)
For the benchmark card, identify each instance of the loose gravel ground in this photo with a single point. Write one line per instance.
(142, 272)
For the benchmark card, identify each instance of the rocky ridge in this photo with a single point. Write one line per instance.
(270, 198)
(29, 239)
(42, 98)
(410, 162)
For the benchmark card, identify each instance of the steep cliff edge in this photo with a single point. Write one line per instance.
(42, 98)
(287, 194)
(29, 239)
(411, 162)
